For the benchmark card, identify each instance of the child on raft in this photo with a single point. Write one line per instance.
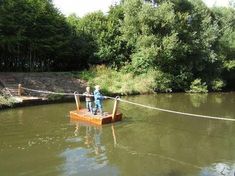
(98, 100)
(88, 98)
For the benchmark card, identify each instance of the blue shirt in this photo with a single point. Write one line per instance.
(98, 96)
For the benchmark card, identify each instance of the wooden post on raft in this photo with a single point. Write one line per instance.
(20, 90)
(77, 99)
(115, 107)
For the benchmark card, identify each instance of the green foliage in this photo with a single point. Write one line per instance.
(124, 82)
(163, 82)
(229, 65)
(35, 36)
(8, 101)
(176, 41)
(119, 82)
(143, 60)
(176, 37)
(225, 46)
(217, 84)
(197, 86)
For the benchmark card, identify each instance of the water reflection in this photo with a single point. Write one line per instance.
(198, 99)
(219, 169)
(218, 98)
(146, 142)
(91, 138)
(88, 156)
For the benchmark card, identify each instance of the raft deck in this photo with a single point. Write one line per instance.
(85, 116)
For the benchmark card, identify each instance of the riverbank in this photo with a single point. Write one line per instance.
(34, 103)
(121, 82)
(6, 102)
(47, 81)
(112, 83)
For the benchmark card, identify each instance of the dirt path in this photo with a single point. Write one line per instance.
(50, 81)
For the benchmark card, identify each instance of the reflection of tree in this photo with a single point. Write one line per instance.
(217, 98)
(198, 99)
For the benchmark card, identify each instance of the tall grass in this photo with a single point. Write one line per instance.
(8, 101)
(119, 82)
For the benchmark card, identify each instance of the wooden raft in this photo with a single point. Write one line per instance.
(83, 115)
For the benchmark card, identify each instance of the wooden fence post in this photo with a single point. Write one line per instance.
(20, 90)
(115, 107)
(77, 99)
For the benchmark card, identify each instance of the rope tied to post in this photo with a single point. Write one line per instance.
(117, 98)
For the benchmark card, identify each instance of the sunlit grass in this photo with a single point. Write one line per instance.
(119, 82)
(8, 101)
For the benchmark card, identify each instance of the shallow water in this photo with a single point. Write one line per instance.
(41, 140)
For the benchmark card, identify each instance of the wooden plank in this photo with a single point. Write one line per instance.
(83, 115)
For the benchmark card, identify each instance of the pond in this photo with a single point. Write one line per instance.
(42, 140)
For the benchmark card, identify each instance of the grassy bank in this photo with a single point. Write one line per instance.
(118, 82)
(6, 101)
(125, 82)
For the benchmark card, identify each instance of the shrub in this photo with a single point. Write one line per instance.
(217, 84)
(120, 82)
(198, 87)
(163, 82)
(4, 100)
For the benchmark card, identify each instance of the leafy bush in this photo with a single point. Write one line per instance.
(217, 85)
(6, 100)
(143, 60)
(163, 82)
(198, 87)
(120, 82)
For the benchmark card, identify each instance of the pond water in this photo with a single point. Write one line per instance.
(41, 140)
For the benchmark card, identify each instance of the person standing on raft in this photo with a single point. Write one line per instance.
(98, 100)
(88, 98)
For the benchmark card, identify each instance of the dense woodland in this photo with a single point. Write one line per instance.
(187, 45)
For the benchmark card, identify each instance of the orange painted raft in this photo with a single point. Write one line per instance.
(83, 115)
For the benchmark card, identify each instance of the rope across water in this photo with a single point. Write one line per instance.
(46, 92)
(177, 112)
(61, 93)
(138, 104)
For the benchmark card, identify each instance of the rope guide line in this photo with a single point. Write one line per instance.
(60, 93)
(137, 104)
(177, 112)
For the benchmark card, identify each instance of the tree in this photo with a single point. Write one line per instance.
(225, 46)
(34, 36)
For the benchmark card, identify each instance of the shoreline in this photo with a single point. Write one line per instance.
(35, 103)
(61, 82)
(71, 99)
